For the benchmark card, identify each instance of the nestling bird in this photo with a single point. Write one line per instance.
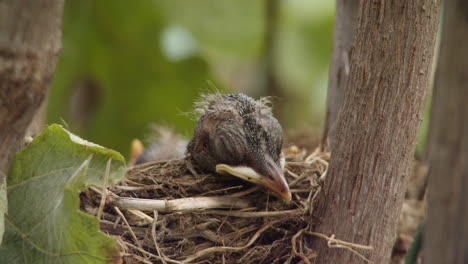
(239, 135)
(167, 144)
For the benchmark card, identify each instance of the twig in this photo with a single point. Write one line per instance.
(295, 252)
(150, 254)
(141, 215)
(300, 178)
(323, 162)
(314, 153)
(147, 164)
(250, 190)
(332, 239)
(211, 250)
(311, 199)
(182, 204)
(298, 163)
(127, 180)
(137, 188)
(307, 163)
(257, 214)
(323, 176)
(119, 229)
(332, 242)
(129, 227)
(153, 235)
(139, 258)
(267, 201)
(294, 175)
(221, 190)
(191, 169)
(300, 190)
(318, 153)
(104, 190)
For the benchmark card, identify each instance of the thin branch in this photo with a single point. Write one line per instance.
(182, 204)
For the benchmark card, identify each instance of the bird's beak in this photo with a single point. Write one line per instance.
(273, 178)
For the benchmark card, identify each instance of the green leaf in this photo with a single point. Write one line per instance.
(44, 223)
(413, 251)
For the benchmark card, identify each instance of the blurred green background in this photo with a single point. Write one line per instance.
(127, 64)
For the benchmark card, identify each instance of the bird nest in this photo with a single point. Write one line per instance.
(170, 212)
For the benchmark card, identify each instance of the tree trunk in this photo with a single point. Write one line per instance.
(446, 234)
(346, 18)
(30, 36)
(376, 130)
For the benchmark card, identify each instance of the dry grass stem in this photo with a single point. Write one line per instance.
(104, 190)
(144, 217)
(126, 223)
(294, 247)
(336, 243)
(257, 214)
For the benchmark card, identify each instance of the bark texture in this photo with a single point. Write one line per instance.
(377, 127)
(344, 33)
(446, 232)
(30, 38)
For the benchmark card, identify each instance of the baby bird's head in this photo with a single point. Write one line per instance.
(240, 136)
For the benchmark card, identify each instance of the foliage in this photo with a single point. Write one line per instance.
(3, 207)
(113, 76)
(124, 66)
(44, 224)
(226, 28)
(416, 245)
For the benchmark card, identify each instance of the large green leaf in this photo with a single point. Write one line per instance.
(44, 223)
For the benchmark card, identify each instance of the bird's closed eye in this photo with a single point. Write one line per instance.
(202, 143)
